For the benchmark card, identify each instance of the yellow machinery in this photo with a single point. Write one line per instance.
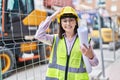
(19, 21)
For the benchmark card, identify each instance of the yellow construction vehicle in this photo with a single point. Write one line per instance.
(93, 24)
(108, 32)
(19, 21)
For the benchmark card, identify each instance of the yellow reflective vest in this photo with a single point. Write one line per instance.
(63, 66)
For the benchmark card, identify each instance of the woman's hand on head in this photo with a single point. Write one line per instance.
(87, 51)
(53, 16)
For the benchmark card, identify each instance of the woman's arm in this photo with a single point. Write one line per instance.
(94, 61)
(41, 32)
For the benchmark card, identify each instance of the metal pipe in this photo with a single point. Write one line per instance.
(0, 70)
(100, 41)
(113, 38)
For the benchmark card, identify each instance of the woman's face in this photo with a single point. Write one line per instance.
(68, 24)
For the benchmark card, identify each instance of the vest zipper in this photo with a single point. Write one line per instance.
(68, 57)
(66, 70)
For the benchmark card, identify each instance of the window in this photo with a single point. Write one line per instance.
(114, 0)
(101, 1)
(17, 8)
(24, 6)
(113, 8)
(89, 1)
(75, 2)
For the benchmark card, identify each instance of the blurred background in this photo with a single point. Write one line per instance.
(24, 58)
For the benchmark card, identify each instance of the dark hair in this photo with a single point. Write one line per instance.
(70, 15)
(61, 30)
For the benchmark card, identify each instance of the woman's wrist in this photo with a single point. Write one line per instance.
(91, 57)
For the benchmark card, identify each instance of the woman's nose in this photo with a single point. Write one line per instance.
(68, 22)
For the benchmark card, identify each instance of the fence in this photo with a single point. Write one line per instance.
(21, 56)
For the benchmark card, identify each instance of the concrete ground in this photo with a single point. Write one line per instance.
(111, 65)
(111, 68)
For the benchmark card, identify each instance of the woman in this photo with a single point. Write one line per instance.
(66, 62)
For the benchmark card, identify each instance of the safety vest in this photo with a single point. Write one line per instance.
(63, 66)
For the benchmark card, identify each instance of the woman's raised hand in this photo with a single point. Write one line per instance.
(53, 16)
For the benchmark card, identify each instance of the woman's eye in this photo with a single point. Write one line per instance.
(65, 21)
(68, 20)
(71, 20)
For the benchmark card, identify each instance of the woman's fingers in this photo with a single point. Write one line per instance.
(85, 46)
(87, 51)
(57, 12)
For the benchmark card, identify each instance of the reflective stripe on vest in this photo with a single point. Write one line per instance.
(49, 78)
(57, 67)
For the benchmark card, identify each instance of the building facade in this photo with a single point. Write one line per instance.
(112, 6)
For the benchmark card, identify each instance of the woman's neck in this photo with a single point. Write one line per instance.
(70, 35)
